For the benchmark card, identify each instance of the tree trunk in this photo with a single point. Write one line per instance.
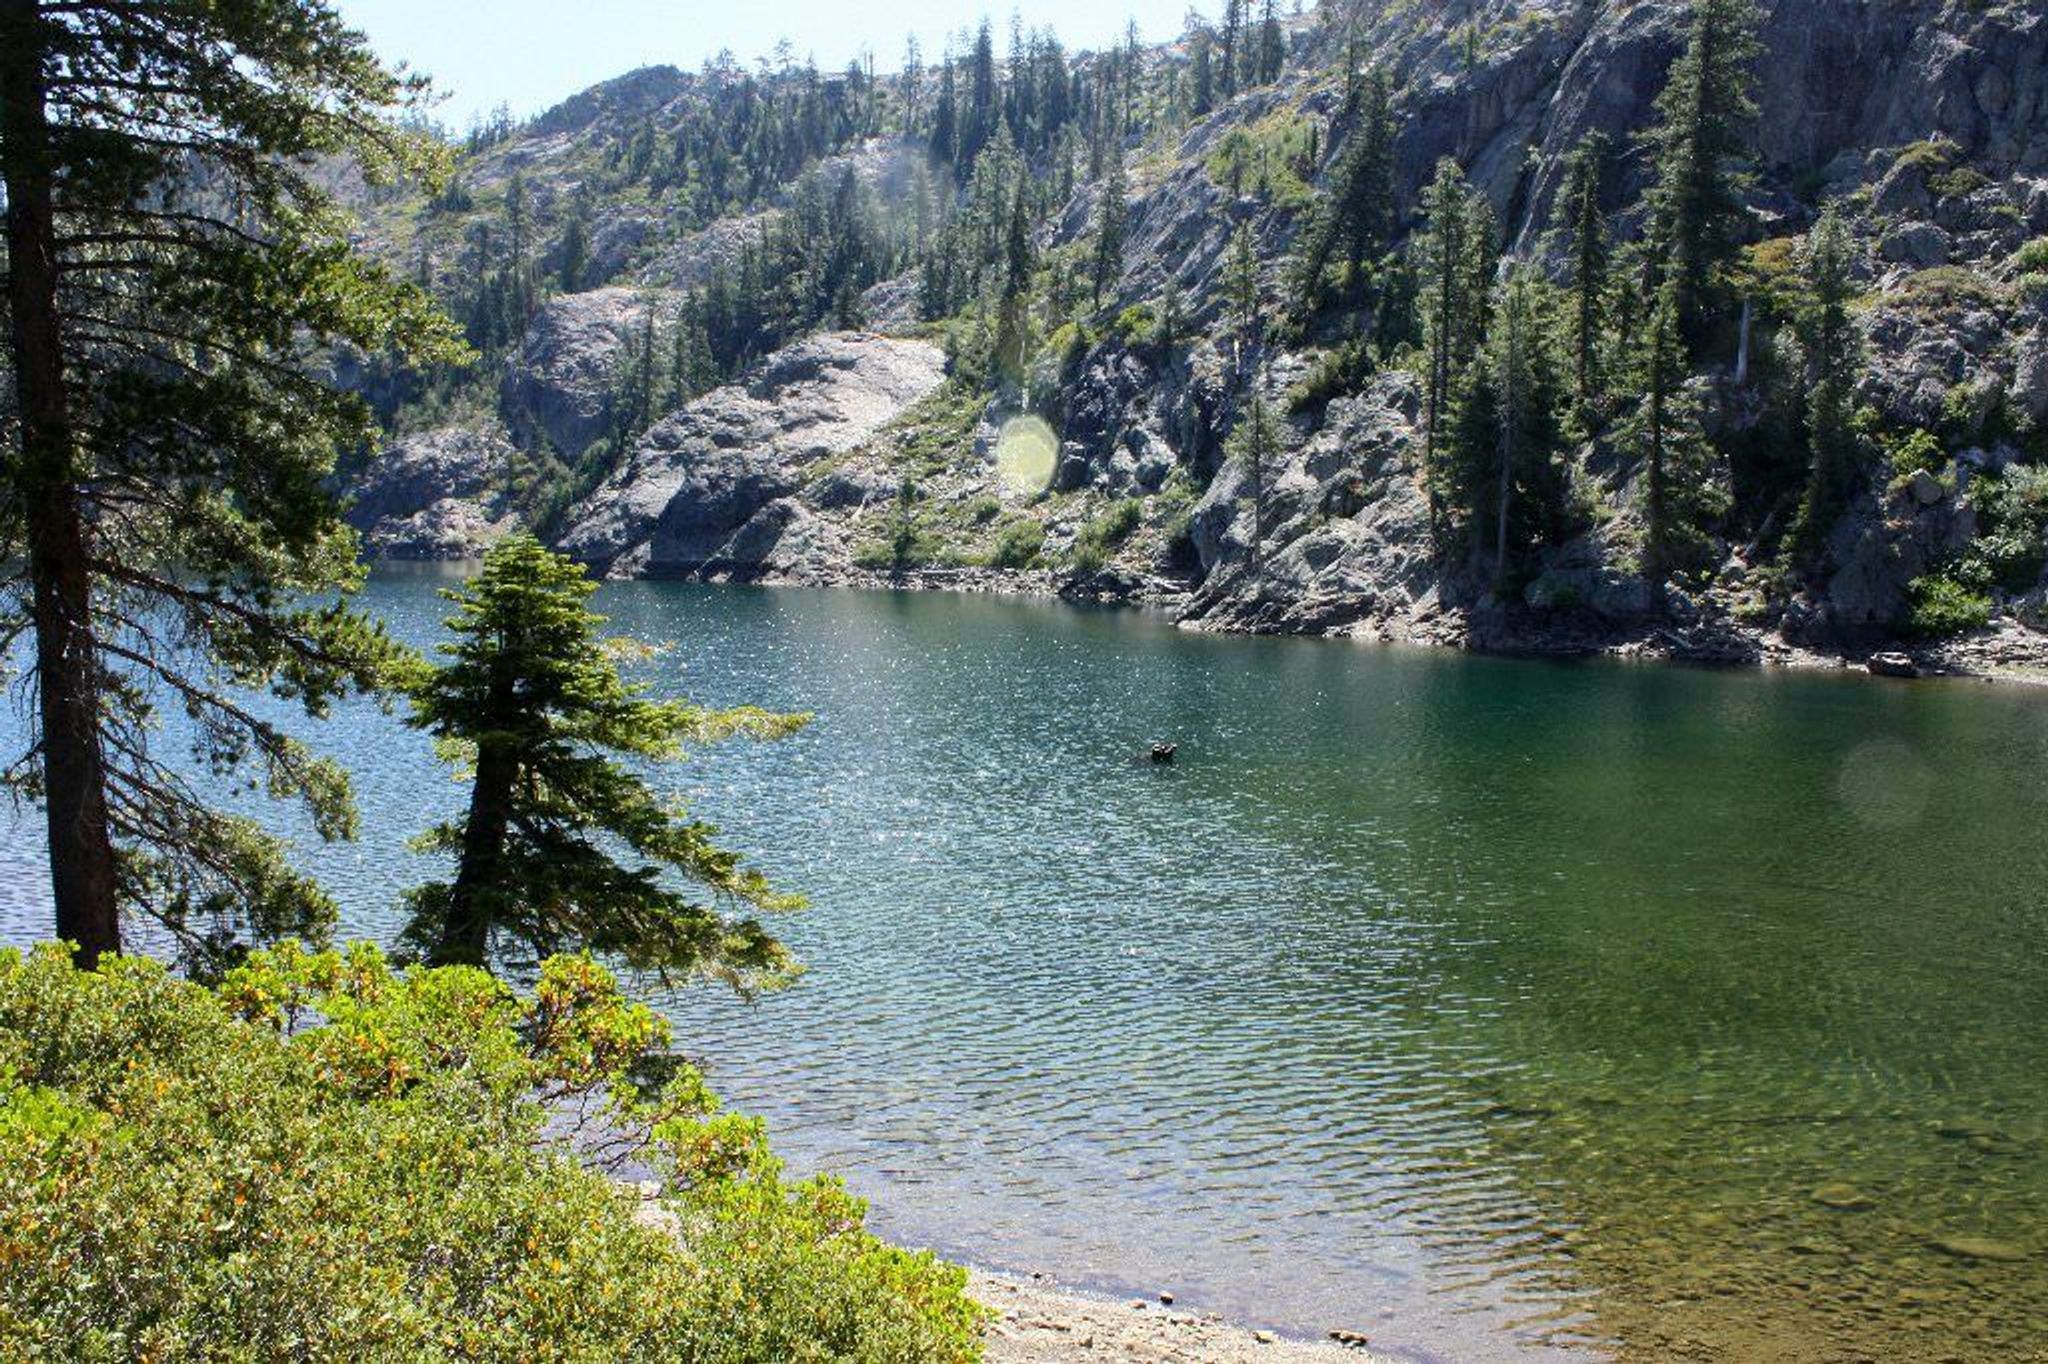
(1742, 348)
(466, 929)
(46, 476)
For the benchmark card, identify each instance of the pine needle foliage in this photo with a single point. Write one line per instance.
(175, 279)
(563, 847)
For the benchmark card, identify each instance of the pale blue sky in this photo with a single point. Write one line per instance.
(531, 53)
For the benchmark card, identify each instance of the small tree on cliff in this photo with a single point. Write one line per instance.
(531, 701)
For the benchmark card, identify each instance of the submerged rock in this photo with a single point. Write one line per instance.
(1979, 1248)
(1843, 1198)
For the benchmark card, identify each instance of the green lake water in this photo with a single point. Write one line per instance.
(1498, 1009)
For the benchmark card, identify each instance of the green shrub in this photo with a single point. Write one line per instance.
(1949, 286)
(983, 510)
(1117, 524)
(327, 1160)
(1334, 374)
(1915, 450)
(1017, 545)
(1136, 324)
(1940, 605)
(1086, 558)
(2012, 543)
(1959, 183)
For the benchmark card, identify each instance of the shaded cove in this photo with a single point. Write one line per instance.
(1498, 1009)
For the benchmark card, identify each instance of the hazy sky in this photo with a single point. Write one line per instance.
(531, 53)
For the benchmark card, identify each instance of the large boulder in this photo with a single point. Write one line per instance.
(558, 388)
(678, 497)
(436, 495)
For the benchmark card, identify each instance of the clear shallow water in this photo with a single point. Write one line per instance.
(1502, 1010)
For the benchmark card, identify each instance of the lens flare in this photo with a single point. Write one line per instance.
(1025, 453)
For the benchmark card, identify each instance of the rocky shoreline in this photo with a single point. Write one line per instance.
(1039, 1322)
(2006, 652)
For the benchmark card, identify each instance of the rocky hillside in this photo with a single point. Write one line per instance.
(1084, 437)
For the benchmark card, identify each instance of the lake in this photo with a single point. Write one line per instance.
(1501, 1010)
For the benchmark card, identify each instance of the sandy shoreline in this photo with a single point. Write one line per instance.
(1039, 1322)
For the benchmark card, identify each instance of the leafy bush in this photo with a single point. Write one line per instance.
(1940, 605)
(1117, 524)
(1915, 450)
(1136, 324)
(2032, 259)
(983, 510)
(1334, 374)
(2012, 547)
(1017, 545)
(326, 1160)
(1959, 183)
(1086, 558)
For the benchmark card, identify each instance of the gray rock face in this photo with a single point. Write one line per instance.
(438, 495)
(1344, 533)
(677, 500)
(2030, 377)
(558, 388)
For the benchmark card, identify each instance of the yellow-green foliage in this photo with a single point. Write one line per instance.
(1949, 286)
(926, 440)
(327, 1160)
(1264, 158)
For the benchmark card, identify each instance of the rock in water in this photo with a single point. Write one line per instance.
(1979, 1248)
(1843, 1198)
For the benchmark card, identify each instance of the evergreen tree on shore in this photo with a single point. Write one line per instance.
(531, 702)
(167, 534)
(1680, 497)
(1834, 360)
(1506, 438)
(1588, 251)
(1701, 150)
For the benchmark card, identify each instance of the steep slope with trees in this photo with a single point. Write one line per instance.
(1717, 329)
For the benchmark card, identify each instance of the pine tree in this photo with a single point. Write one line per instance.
(1451, 325)
(1680, 496)
(1506, 436)
(1109, 230)
(1272, 49)
(945, 137)
(1232, 44)
(1241, 288)
(1834, 359)
(572, 254)
(1356, 213)
(1257, 442)
(167, 538)
(563, 847)
(1701, 149)
(1588, 252)
(1201, 69)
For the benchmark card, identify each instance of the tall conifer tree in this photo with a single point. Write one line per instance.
(562, 847)
(173, 271)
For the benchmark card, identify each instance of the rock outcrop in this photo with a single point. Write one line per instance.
(558, 390)
(437, 495)
(684, 500)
